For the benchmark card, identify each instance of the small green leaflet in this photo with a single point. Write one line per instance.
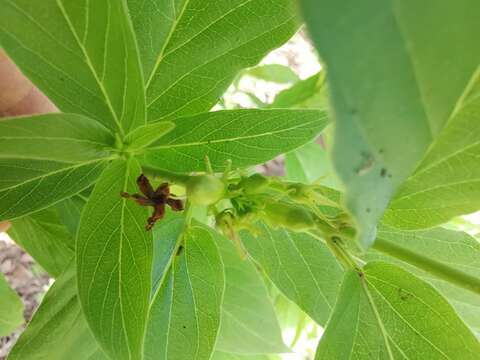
(27, 185)
(192, 49)
(300, 266)
(58, 137)
(276, 73)
(58, 330)
(454, 249)
(310, 93)
(11, 308)
(188, 303)
(247, 137)
(145, 135)
(391, 314)
(114, 258)
(46, 239)
(415, 61)
(81, 54)
(249, 323)
(446, 184)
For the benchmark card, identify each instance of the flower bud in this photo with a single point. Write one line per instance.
(205, 190)
(289, 216)
(254, 184)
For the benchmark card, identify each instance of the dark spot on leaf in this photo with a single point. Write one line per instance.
(184, 327)
(368, 210)
(383, 172)
(381, 151)
(367, 164)
(403, 294)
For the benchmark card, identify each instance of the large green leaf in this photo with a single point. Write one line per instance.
(249, 324)
(391, 314)
(11, 308)
(398, 71)
(192, 49)
(185, 312)
(247, 137)
(300, 266)
(446, 182)
(454, 249)
(58, 330)
(114, 257)
(46, 239)
(29, 185)
(58, 137)
(81, 54)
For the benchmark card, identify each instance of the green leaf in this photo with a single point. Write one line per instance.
(249, 324)
(310, 163)
(145, 135)
(11, 308)
(445, 184)
(46, 239)
(218, 355)
(192, 49)
(453, 249)
(81, 54)
(185, 312)
(29, 185)
(58, 137)
(414, 63)
(391, 314)
(166, 234)
(70, 211)
(58, 330)
(300, 266)
(114, 256)
(276, 73)
(247, 137)
(305, 94)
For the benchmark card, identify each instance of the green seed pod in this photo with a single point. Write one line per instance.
(291, 217)
(254, 184)
(205, 190)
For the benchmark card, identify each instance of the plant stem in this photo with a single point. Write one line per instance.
(180, 179)
(429, 265)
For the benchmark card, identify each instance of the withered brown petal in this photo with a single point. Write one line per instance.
(145, 186)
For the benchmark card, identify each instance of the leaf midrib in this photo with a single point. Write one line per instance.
(90, 65)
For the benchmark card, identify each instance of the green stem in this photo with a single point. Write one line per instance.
(429, 265)
(180, 179)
